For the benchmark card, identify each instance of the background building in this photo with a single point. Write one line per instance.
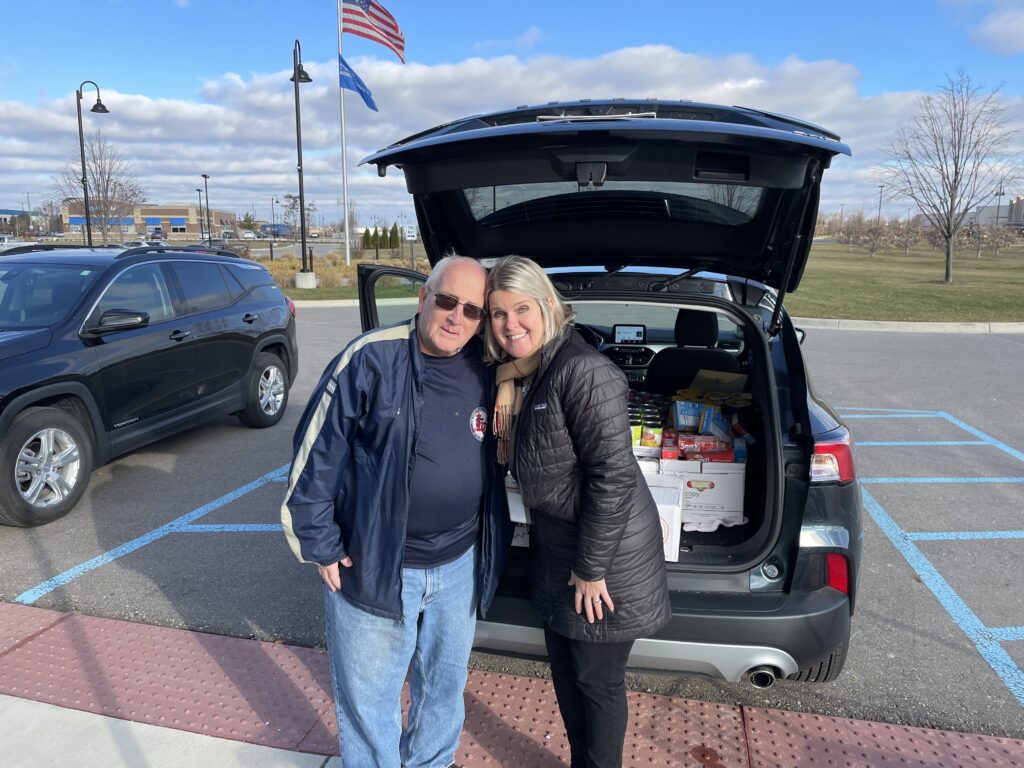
(165, 222)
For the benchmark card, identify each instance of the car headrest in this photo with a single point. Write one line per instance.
(696, 329)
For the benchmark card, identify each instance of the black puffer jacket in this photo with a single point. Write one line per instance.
(592, 511)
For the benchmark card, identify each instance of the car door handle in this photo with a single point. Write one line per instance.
(180, 335)
(250, 318)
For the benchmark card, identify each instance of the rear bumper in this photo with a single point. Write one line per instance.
(725, 645)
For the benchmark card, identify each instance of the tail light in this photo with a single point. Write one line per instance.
(837, 572)
(832, 461)
(291, 305)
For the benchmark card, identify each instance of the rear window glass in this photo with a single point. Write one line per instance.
(250, 275)
(33, 295)
(725, 204)
(202, 285)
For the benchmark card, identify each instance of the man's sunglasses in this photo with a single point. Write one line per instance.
(448, 303)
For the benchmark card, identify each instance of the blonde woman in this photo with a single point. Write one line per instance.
(598, 578)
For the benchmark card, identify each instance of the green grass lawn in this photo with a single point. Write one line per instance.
(898, 286)
(854, 285)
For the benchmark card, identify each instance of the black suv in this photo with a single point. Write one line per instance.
(104, 351)
(675, 229)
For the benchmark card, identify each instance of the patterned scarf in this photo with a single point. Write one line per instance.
(509, 402)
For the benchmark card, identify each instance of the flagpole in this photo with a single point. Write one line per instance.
(344, 159)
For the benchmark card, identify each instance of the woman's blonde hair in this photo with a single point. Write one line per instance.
(518, 274)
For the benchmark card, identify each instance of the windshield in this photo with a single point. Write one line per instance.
(726, 204)
(40, 295)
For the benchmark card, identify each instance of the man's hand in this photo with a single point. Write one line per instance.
(331, 574)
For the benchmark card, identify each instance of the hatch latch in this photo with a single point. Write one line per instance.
(591, 174)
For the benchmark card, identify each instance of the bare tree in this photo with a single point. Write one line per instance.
(291, 214)
(114, 189)
(953, 156)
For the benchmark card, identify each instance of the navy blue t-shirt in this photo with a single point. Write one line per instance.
(448, 477)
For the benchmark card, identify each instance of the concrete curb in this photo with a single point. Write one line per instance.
(808, 323)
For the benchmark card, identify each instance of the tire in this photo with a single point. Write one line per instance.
(268, 392)
(45, 462)
(824, 671)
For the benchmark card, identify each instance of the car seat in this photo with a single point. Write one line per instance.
(696, 335)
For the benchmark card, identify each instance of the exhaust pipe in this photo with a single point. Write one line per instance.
(761, 677)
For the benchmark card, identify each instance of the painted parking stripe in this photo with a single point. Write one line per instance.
(893, 415)
(233, 528)
(845, 408)
(862, 443)
(963, 535)
(175, 526)
(984, 640)
(909, 480)
(978, 433)
(1007, 634)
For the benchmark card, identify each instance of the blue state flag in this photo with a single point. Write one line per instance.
(347, 78)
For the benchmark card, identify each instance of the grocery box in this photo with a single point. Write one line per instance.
(666, 489)
(521, 535)
(715, 494)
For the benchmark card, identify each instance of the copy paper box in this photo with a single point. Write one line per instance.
(714, 495)
(665, 490)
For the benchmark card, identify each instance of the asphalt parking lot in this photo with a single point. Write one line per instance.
(185, 533)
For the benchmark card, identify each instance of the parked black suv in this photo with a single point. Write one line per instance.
(675, 230)
(104, 351)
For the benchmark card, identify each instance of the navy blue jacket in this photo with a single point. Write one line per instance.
(354, 449)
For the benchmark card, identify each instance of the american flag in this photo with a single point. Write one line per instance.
(370, 19)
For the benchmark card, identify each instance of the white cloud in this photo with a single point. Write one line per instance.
(240, 128)
(1001, 31)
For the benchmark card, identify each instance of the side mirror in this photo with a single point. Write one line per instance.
(116, 320)
(801, 334)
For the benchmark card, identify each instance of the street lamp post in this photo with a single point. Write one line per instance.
(999, 195)
(299, 75)
(200, 191)
(209, 223)
(99, 109)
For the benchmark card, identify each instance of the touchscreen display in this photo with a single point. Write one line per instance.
(630, 334)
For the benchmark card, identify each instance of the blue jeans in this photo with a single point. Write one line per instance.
(370, 655)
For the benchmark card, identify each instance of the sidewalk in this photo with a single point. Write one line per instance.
(88, 692)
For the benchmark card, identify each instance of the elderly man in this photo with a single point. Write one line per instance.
(394, 495)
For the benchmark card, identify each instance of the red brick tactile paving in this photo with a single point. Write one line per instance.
(279, 696)
(779, 739)
(244, 690)
(19, 623)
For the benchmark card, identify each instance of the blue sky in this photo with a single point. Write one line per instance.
(204, 83)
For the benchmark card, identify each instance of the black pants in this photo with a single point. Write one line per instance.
(590, 684)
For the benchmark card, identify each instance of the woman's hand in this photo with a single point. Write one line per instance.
(591, 596)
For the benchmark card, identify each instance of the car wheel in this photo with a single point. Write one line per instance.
(824, 671)
(268, 392)
(45, 463)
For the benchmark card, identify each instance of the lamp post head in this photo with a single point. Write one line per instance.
(99, 108)
(205, 175)
(301, 76)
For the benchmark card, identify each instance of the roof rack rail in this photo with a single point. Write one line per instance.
(35, 247)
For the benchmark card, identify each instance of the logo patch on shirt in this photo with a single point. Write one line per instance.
(540, 407)
(478, 423)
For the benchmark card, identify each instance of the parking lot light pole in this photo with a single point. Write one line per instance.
(200, 222)
(299, 75)
(209, 224)
(98, 108)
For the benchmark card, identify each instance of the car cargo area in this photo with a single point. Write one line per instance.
(701, 404)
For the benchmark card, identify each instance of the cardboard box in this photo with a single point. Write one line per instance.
(666, 489)
(516, 509)
(715, 494)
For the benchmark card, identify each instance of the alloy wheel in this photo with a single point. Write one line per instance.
(48, 467)
(271, 390)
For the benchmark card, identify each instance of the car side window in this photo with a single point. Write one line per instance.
(202, 286)
(140, 288)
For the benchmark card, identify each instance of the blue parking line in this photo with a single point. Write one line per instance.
(908, 480)
(233, 528)
(962, 535)
(1007, 634)
(862, 443)
(893, 415)
(887, 410)
(978, 433)
(982, 638)
(175, 526)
